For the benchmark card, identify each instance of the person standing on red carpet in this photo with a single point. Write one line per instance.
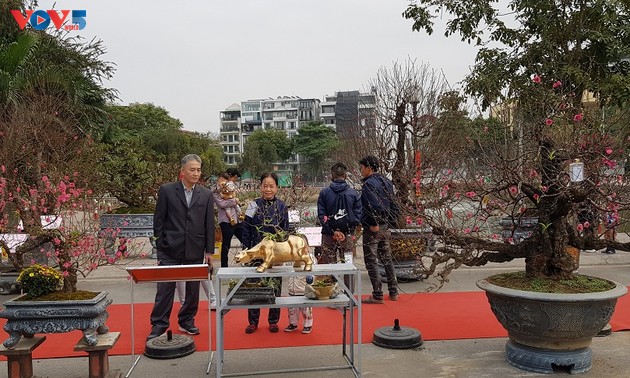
(376, 206)
(183, 227)
(339, 212)
(265, 215)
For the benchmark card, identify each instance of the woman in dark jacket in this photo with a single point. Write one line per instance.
(266, 214)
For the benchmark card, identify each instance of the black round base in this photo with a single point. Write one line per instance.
(548, 361)
(397, 337)
(163, 348)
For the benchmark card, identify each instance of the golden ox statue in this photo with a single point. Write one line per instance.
(295, 249)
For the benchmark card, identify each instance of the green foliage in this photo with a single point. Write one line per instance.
(578, 284)
(316, 142)
(140, 158)
(38, 280)
(264, 148)
(584, 43)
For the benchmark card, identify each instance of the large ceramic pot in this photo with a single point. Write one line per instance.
(27, 318)
(548, 330)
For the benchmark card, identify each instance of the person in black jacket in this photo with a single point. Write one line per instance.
(338, 240)
(266, 214)
(374, 198)
(183, 225)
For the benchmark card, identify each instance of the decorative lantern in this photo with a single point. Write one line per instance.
(576, 171)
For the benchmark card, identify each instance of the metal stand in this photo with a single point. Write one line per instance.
(346, 302)
(170, 273)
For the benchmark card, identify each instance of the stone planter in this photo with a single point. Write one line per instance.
(516, 230)
(131, 226)
(407, 245)
(548, 330)
(27, 318)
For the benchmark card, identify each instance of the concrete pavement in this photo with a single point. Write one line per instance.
(453, 359)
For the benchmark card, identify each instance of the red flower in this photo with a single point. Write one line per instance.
(536, 79)
(548, 122)
(578, 117)
(557, 84)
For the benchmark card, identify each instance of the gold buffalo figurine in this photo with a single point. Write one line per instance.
(295, 249)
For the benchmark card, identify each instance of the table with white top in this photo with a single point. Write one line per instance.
(348, 302)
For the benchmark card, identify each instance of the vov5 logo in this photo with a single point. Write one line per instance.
(41, 19)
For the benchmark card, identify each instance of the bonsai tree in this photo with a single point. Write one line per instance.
(556, 86)
(139, 159)
(51, 107)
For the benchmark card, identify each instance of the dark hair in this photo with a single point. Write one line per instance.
(338, 170)
(370, 162)
(269, 174)
(224, 175)
(233, 172)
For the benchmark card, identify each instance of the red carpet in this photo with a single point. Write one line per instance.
(438, 316)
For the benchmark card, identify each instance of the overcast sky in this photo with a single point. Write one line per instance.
(197, 57)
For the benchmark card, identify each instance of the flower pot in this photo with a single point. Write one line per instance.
(324, 292)
(128, 226)
(407, 245)
(27, 318)
(547, 329)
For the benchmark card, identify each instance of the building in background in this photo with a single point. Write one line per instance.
(346, 112)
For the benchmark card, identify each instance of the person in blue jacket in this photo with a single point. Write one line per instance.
(266, 214)
(376, 234)
(338, 224)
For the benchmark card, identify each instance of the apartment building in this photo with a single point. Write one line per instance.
(347, 112)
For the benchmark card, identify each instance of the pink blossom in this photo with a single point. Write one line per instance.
(578, 117)
(513, 189)
(579, 227)
(3, 168)
(536, 196)
(494, 236)
(548, 122)
(470, 194)
(467, 230)
(609, 163)
(544, 188)
(557, 84)
(587, 224)
(536, 79)
(608, 151)
(419, 221)
(408, 219)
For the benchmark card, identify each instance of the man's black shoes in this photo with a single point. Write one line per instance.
(156, 332)
(191, 330)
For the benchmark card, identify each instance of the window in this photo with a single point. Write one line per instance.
(236, 138)
(292, 125)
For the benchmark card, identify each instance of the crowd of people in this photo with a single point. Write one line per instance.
(184, 223)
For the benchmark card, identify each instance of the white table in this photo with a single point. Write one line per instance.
(347, 301)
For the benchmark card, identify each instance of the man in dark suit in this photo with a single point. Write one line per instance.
(183, 225)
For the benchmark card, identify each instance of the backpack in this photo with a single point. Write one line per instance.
(342, 218)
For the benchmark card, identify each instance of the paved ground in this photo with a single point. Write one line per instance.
(452, 359)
